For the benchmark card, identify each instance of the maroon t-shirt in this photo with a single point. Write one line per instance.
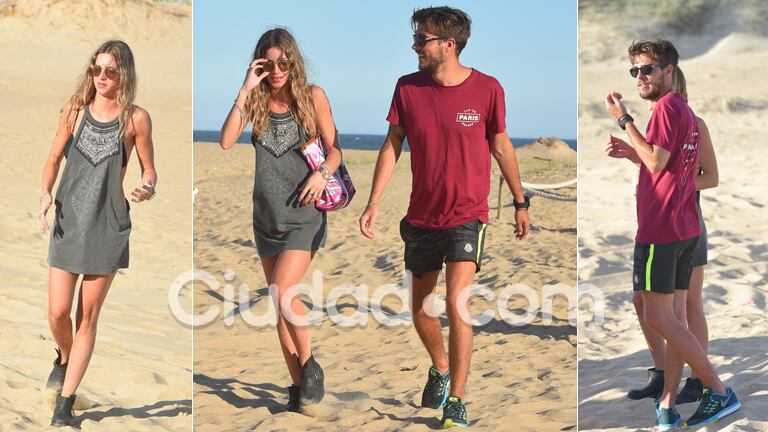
(666, 201)
(448, 131)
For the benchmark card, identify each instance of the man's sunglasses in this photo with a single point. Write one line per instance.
(645, 69)
(110, 72)
(283, 65)
(420, 40)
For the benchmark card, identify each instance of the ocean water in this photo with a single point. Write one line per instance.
(350, 141)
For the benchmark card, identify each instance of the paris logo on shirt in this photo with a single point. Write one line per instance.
(468, 117)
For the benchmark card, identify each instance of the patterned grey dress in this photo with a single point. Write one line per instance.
(280, 222)
(91, 227)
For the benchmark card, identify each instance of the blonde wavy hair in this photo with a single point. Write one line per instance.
(126, 92)
(678, 83)
(257, 102)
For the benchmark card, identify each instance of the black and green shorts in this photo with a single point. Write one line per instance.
(426, 249)
(663, 268)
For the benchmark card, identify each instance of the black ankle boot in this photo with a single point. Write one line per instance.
(312, 389)
(294, 393)
(653, 389)
(62, 414)
(692, 391)
(56, 377)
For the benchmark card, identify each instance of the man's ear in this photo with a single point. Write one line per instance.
(451, 43)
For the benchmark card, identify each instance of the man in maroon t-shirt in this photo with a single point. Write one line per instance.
(453, 117)
(667, 231)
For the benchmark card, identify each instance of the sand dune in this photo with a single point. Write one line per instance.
(89, 20)
(375, 373)
(726, 89)
(139, 376)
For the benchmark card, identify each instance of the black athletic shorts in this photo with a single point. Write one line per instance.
(663, 268)
(426, 249)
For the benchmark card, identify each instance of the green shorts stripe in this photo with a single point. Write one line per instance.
(480, 241)
(648, 269)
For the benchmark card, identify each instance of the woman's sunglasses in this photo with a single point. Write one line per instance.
(283, 65)
(420, 40)
(110, 72)
(645, 69)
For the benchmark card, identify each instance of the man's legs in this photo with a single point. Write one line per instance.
(674, 362)
(697, 322)
(459, 275)
(656, 344)
(660, 317)
(428, 327)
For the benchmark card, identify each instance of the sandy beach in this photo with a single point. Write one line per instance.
(375, 373)
(139, 378)
(726, 88)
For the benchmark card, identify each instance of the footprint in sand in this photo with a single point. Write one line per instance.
(82, 402)
(338, 405)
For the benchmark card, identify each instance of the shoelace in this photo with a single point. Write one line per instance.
(437, 384)
(708, 403)
(455, 410)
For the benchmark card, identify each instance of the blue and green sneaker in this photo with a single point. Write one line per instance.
(668, 418)
(713, 407)
(436, 390)
(454, 413)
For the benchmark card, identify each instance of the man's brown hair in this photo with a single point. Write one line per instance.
(662, 51)
(444, 22)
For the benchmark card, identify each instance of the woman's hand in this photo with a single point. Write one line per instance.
(252, 76)
(145, 192)
(45, 203)
(312, 188)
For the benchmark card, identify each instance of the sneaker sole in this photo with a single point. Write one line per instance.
(449, 424)
(726, 412)
(671, 426)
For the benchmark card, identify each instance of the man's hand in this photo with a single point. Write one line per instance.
(522, 224)
(368, 220)
(618, 148)
(614, 105)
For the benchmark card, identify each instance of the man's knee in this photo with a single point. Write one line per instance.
(637, 300)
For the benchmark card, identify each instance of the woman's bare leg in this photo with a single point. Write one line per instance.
(289, 270)
(286, 342)
(61, 293)
(93, 291)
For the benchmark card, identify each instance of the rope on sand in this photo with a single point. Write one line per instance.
(541, 190)
(549, 195)
(548, 186)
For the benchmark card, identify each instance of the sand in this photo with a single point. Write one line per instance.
(375, 373)
(140, 374)
(727, 89)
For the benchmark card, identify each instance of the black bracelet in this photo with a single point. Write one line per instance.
(523, 205)
(623, 120)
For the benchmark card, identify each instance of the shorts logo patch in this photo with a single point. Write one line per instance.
(468, 118)
(637, 279)
(468, 247)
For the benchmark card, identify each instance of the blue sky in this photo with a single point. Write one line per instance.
(356, 51)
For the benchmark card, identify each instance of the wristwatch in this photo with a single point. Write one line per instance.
(623, 120)
(523, 205)
(325, 172)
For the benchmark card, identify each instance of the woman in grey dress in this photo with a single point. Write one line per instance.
(98, 128)
(285, 111)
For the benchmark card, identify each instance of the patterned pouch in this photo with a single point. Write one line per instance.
(339, 189)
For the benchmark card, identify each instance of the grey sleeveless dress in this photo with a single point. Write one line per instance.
(92, 225)
(280, 222)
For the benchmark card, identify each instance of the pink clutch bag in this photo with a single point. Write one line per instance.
(339, 189)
